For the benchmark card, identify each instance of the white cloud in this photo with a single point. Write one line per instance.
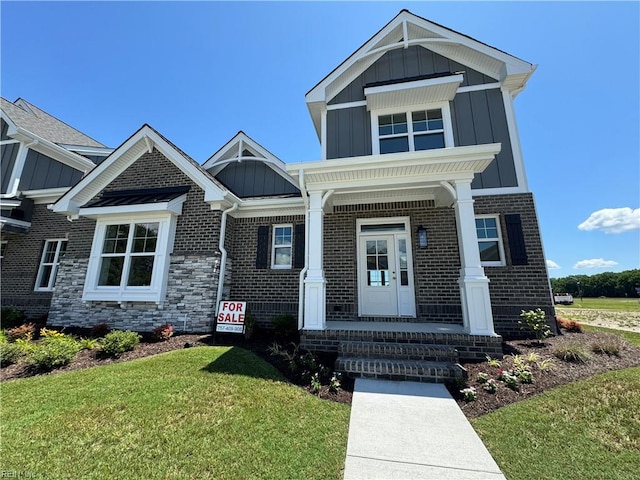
(552, 264)
(595, 263)
(613, 220)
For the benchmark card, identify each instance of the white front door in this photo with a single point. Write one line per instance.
(385, 270)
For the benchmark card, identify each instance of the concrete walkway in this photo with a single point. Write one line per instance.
(408, 430)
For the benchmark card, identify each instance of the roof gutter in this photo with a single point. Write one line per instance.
(223, 251)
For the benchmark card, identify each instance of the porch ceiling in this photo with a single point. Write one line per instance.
(396, 175)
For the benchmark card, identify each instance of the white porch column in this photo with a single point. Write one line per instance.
(474, 285)
(314, 283)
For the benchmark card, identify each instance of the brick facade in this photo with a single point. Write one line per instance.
(19, 267)
(193, 270)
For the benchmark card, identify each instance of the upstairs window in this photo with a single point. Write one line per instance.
(51, 254)
(412, 131)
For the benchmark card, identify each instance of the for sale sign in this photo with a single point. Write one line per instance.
(231, 317)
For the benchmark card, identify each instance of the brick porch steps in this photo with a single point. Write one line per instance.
(400, 369)
(405, 351)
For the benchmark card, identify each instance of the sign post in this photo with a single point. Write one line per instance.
(231, 316)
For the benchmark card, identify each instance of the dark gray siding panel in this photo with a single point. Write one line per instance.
(9, 154)
(348, 132)
(479, 118)
(5, 127)
(41, 171)
(406, 63)
(97, 159)
(255, 179)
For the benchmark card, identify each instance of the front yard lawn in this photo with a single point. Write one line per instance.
(205, 412)
(586, 429)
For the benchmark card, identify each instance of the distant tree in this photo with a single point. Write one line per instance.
(606, 284)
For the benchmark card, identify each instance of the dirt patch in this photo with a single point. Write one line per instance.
(562, 372)
(602, 318)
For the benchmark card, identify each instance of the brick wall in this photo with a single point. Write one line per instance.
(194, 263)
(269, 292)
(19, 267)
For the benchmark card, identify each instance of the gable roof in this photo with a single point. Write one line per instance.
(141, 142)
(407, 29)
(31, 118)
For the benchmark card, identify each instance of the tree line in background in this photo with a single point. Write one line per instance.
(607, 284)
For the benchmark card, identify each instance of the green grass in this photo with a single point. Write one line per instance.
(631, 337)
(620, 304)
(209, 412)
(586, 429)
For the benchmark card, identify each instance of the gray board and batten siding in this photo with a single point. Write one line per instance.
(41, 171)
(8, 160)
(252, 178)
(478, 117)
(5, 129)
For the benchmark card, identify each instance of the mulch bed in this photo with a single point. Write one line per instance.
(564, 372)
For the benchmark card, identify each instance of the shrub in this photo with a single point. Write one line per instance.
(24, 332)
(52, 352)
(534, 320)
(607, 346)
(285, 327)
(117, 342)
(99, 330)
(491, 386)
(163, 332)
(10, 353)
(570, 325)
(482, 378)
(572, 352)
(546, 364)
(11, 317)
(469, 394)
(88, 343)
(49, 333)
(493, 362)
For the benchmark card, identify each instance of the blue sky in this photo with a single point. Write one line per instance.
(199, 72)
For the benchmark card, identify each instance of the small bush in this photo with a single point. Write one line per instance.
(570, 325)
(163, 332)
(572, 352)
(609, 346)
(11, 317)
(491, 386)
(52, 352)
(10, 353)
(534, 320)
(23, 332)
(493, 362)
(285, 327)
(482, 378)
(89, 343)
(99, 330)
(469, 394)
(49, 333)
(117, 342)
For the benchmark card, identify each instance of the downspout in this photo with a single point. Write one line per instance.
(223, 251)
(303, 272)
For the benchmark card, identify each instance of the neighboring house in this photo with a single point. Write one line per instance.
(41, 158)
(416, 225)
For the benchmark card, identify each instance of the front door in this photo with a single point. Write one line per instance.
(385, 273)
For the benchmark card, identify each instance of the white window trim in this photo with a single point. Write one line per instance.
(502, 261)
(123, 293)
(273, 247)
(3, 243)
(445, 107)
(54, 265)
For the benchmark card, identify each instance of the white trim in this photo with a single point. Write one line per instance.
(18, 166)
(54, 265)
(323, 134)
(153, 293)
(340, 106)
(13, 221)
(173, 207)
(516, 146)
(274, 246)
(502, 262)
(45, 195)
(481, 192)
(406, 94)
(479, 87)
(9, 142)
(88, 150)
(3, 246)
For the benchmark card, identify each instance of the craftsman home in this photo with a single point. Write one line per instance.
(41, 158)
(415, 225)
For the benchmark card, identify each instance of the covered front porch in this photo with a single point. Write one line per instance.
(365, 219)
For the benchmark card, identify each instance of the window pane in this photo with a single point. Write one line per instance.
(489, 251)
(115, 239)
(383, 262)
(50, 254)
(371, 247)
(435, 119)
(429, 141)
(145, 237)
(392, 124)
(283, 256)
(404, 278)
(46, 275)
(63, 248)
(140, 271)
(419, 121)
(400, 123)
(378, 278)
(371, 262)
(394, 145)
(385, 227)
(489, 222)
(382, 247)
(111, 271)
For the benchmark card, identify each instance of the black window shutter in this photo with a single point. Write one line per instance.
(298, 246)
(262, 252)
(516, 239)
